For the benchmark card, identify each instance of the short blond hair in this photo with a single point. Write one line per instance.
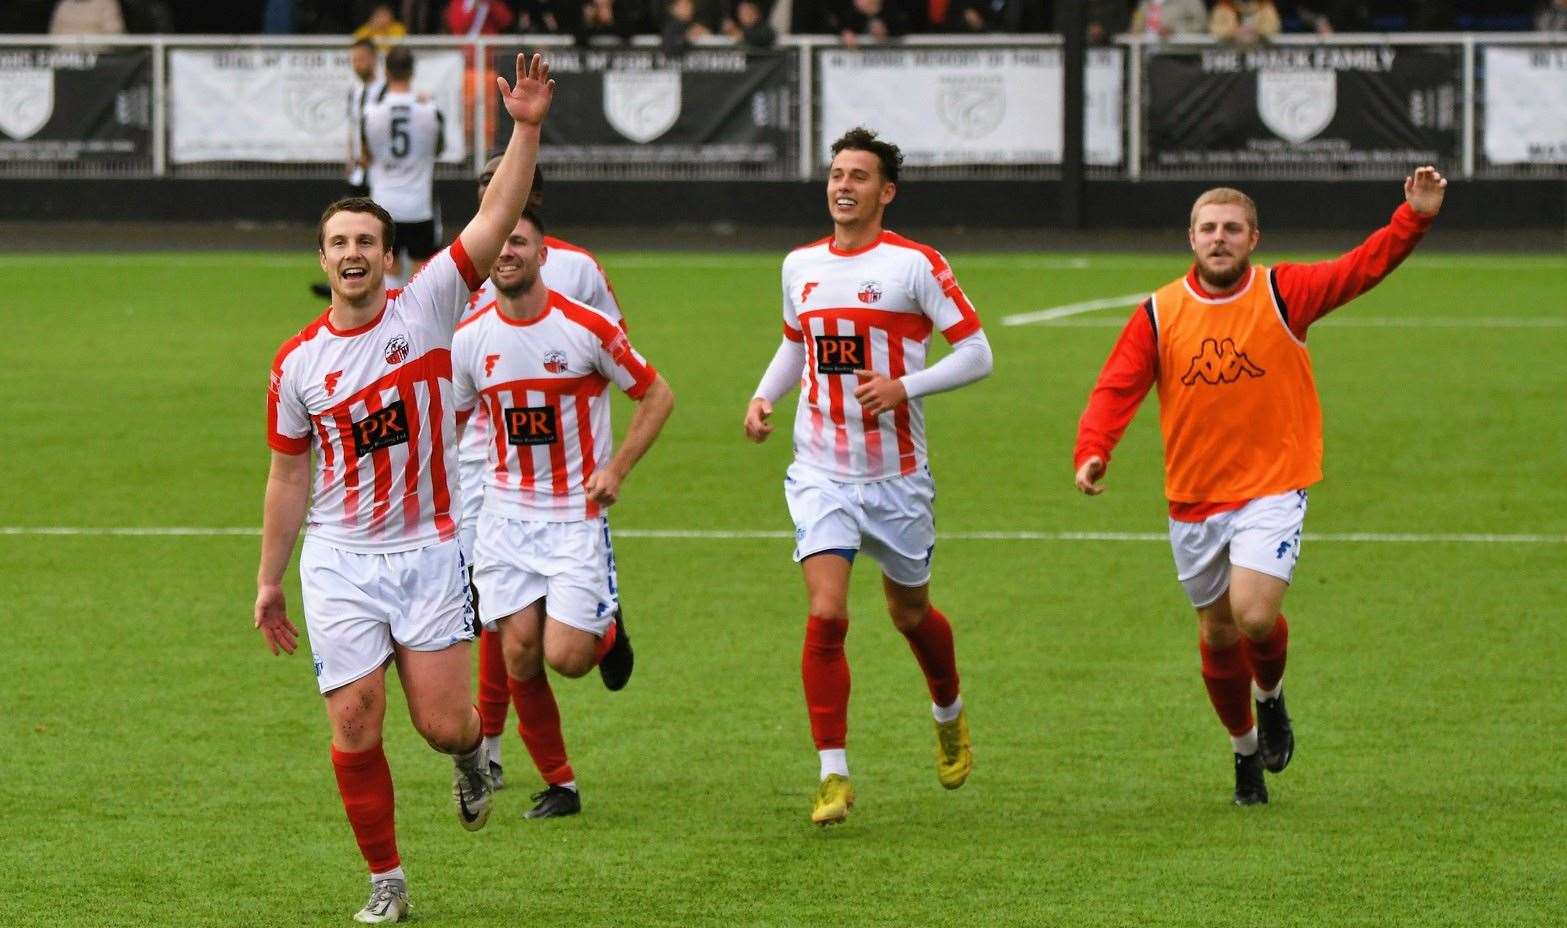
(1226, 196)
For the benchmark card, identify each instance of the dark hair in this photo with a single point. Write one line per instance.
(538, 173)
(400, 63)
(862, 139)
(363, 43)
(533, 217)
(358, 205)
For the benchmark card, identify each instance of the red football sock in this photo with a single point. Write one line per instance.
(1228, 678)
(538, 721)
(825, 672)
(1267, 655)
(493, 698)
(365, 782)
(931, 642)
(606, 642)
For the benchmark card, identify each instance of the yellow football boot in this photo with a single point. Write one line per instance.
(954, 751)
(833, 800)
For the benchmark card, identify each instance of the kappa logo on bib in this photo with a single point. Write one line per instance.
(381, 429)
(840, 354)
(531, 425)
(1219, 362)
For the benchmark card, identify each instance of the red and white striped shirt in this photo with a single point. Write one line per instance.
(873, 309)
(375, 403)
(540, 386)
(568, 270)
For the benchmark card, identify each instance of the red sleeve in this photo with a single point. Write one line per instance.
(470, 274)
(1311, 291)
(1127, 375)
(457, 21)
(500, 17)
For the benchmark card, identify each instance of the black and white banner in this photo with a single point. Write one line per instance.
(69, 105)
(955, 106)
(712, 108)
(1526, 105)
(1335, 107)
(288, 104)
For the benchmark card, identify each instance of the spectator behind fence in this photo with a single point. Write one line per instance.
(87, 17)
(1325, 17)
(681, 27)
(1106, 20)
(1552, 17)
(382, 28)
(1170, 18)
(871, 21)
(749, 27)
(976, 16)
(478, 17)
(1243, 22)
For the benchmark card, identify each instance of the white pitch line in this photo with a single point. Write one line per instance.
(743, 534)
(1072, 309)
(1356, 322)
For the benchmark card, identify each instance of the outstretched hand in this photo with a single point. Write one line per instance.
(530, 99)
(1090, 475)
(271, 615)
(1425, 190)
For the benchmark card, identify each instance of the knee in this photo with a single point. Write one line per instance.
(829, 609)
(445, 733)
(1255, 620)
(1218, 634)
(567, 660)
(522, 658)
(908, 616)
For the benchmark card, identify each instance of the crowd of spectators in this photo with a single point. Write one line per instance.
(758, 22)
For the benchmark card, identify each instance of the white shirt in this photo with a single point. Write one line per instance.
(403, 136)
(361, 96)
(541, 387)
(570, 271)
(869, 309)
(375, 404)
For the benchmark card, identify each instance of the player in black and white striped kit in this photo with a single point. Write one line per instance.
(403, 135)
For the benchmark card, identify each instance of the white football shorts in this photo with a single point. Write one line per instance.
(893, 520)
(357, 605)
(1263, 535)
(569, 565)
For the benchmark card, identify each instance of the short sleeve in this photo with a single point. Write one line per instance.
(465, 386)
(288, 421)
(441, 288)
(791, 315)
(621, 363)
(941, 299)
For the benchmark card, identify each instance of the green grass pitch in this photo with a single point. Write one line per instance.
(159, 767)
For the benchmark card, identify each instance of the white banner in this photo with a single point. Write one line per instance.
(263, 104)
(970, 105)
(1526, 105)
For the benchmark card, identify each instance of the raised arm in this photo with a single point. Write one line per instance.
(1311, 291)
(527, 103)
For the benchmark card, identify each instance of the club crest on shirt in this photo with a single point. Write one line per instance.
(397, 349)
(555, 361)
(870, 291)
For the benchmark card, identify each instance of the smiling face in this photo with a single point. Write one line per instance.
(1223, 237)
(516, 268)
(354, 255)
(856, 192)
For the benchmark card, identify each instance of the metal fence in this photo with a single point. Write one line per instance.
(987, 107)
